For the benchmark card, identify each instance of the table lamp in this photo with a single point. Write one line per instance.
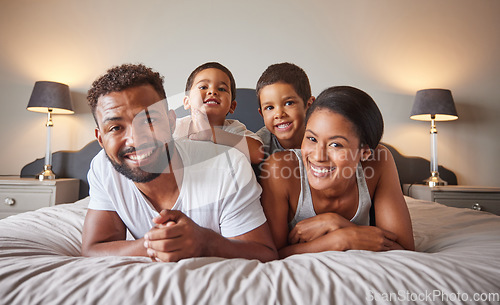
(51, 98)
(434, 105)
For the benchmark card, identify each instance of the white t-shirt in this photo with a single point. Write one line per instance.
(218, 191)
(230, 125)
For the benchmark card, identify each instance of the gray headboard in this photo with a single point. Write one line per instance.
(67, 164)
(75, 164)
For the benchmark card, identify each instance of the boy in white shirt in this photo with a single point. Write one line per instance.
(211, 95)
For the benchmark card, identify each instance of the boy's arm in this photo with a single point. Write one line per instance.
(104, 234)
(249, 146)
(201, 130)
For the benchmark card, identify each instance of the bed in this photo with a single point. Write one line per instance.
(457, 261)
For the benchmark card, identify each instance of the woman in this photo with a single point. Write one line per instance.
(325, 196)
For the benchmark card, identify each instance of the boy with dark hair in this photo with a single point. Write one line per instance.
(211, 95)
(284, 94)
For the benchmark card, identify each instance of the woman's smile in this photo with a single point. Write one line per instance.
(321, 171)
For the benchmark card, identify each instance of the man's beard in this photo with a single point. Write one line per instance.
(147, 173)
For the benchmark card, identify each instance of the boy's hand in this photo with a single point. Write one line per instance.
(200, 129)
(174, 237)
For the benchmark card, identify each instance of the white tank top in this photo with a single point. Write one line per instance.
(305, 208)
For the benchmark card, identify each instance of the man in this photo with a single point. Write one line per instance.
(178, 199)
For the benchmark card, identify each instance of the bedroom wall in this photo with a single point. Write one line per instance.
(389, 48)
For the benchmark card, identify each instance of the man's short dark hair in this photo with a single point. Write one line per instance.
(123, 77)
(286, 73)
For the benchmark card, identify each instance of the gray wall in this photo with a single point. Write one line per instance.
(390, 49)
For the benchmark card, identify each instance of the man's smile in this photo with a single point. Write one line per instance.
(139, 157)
(136, 155)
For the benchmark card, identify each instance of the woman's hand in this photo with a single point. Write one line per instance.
(367, 238)
(353, 237)
(311, 228)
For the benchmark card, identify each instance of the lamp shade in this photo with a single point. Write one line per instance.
(434, 104)
(50, 95)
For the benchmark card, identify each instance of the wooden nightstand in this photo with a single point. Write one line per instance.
(472, 197)
(19, 195)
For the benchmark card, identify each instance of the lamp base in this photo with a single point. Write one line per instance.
(47, 173)
(435, 180)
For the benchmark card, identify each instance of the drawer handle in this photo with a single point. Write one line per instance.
(477, 207)
(9, 201)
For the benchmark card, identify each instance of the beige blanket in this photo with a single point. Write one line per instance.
(457, 261)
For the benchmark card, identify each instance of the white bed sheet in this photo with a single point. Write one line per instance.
(457, 261)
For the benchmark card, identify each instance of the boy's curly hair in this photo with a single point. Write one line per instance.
(122, 77)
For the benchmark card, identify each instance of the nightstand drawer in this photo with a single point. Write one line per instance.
(26, 194)
(486, 199)
(16, 201)
(485, 205)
